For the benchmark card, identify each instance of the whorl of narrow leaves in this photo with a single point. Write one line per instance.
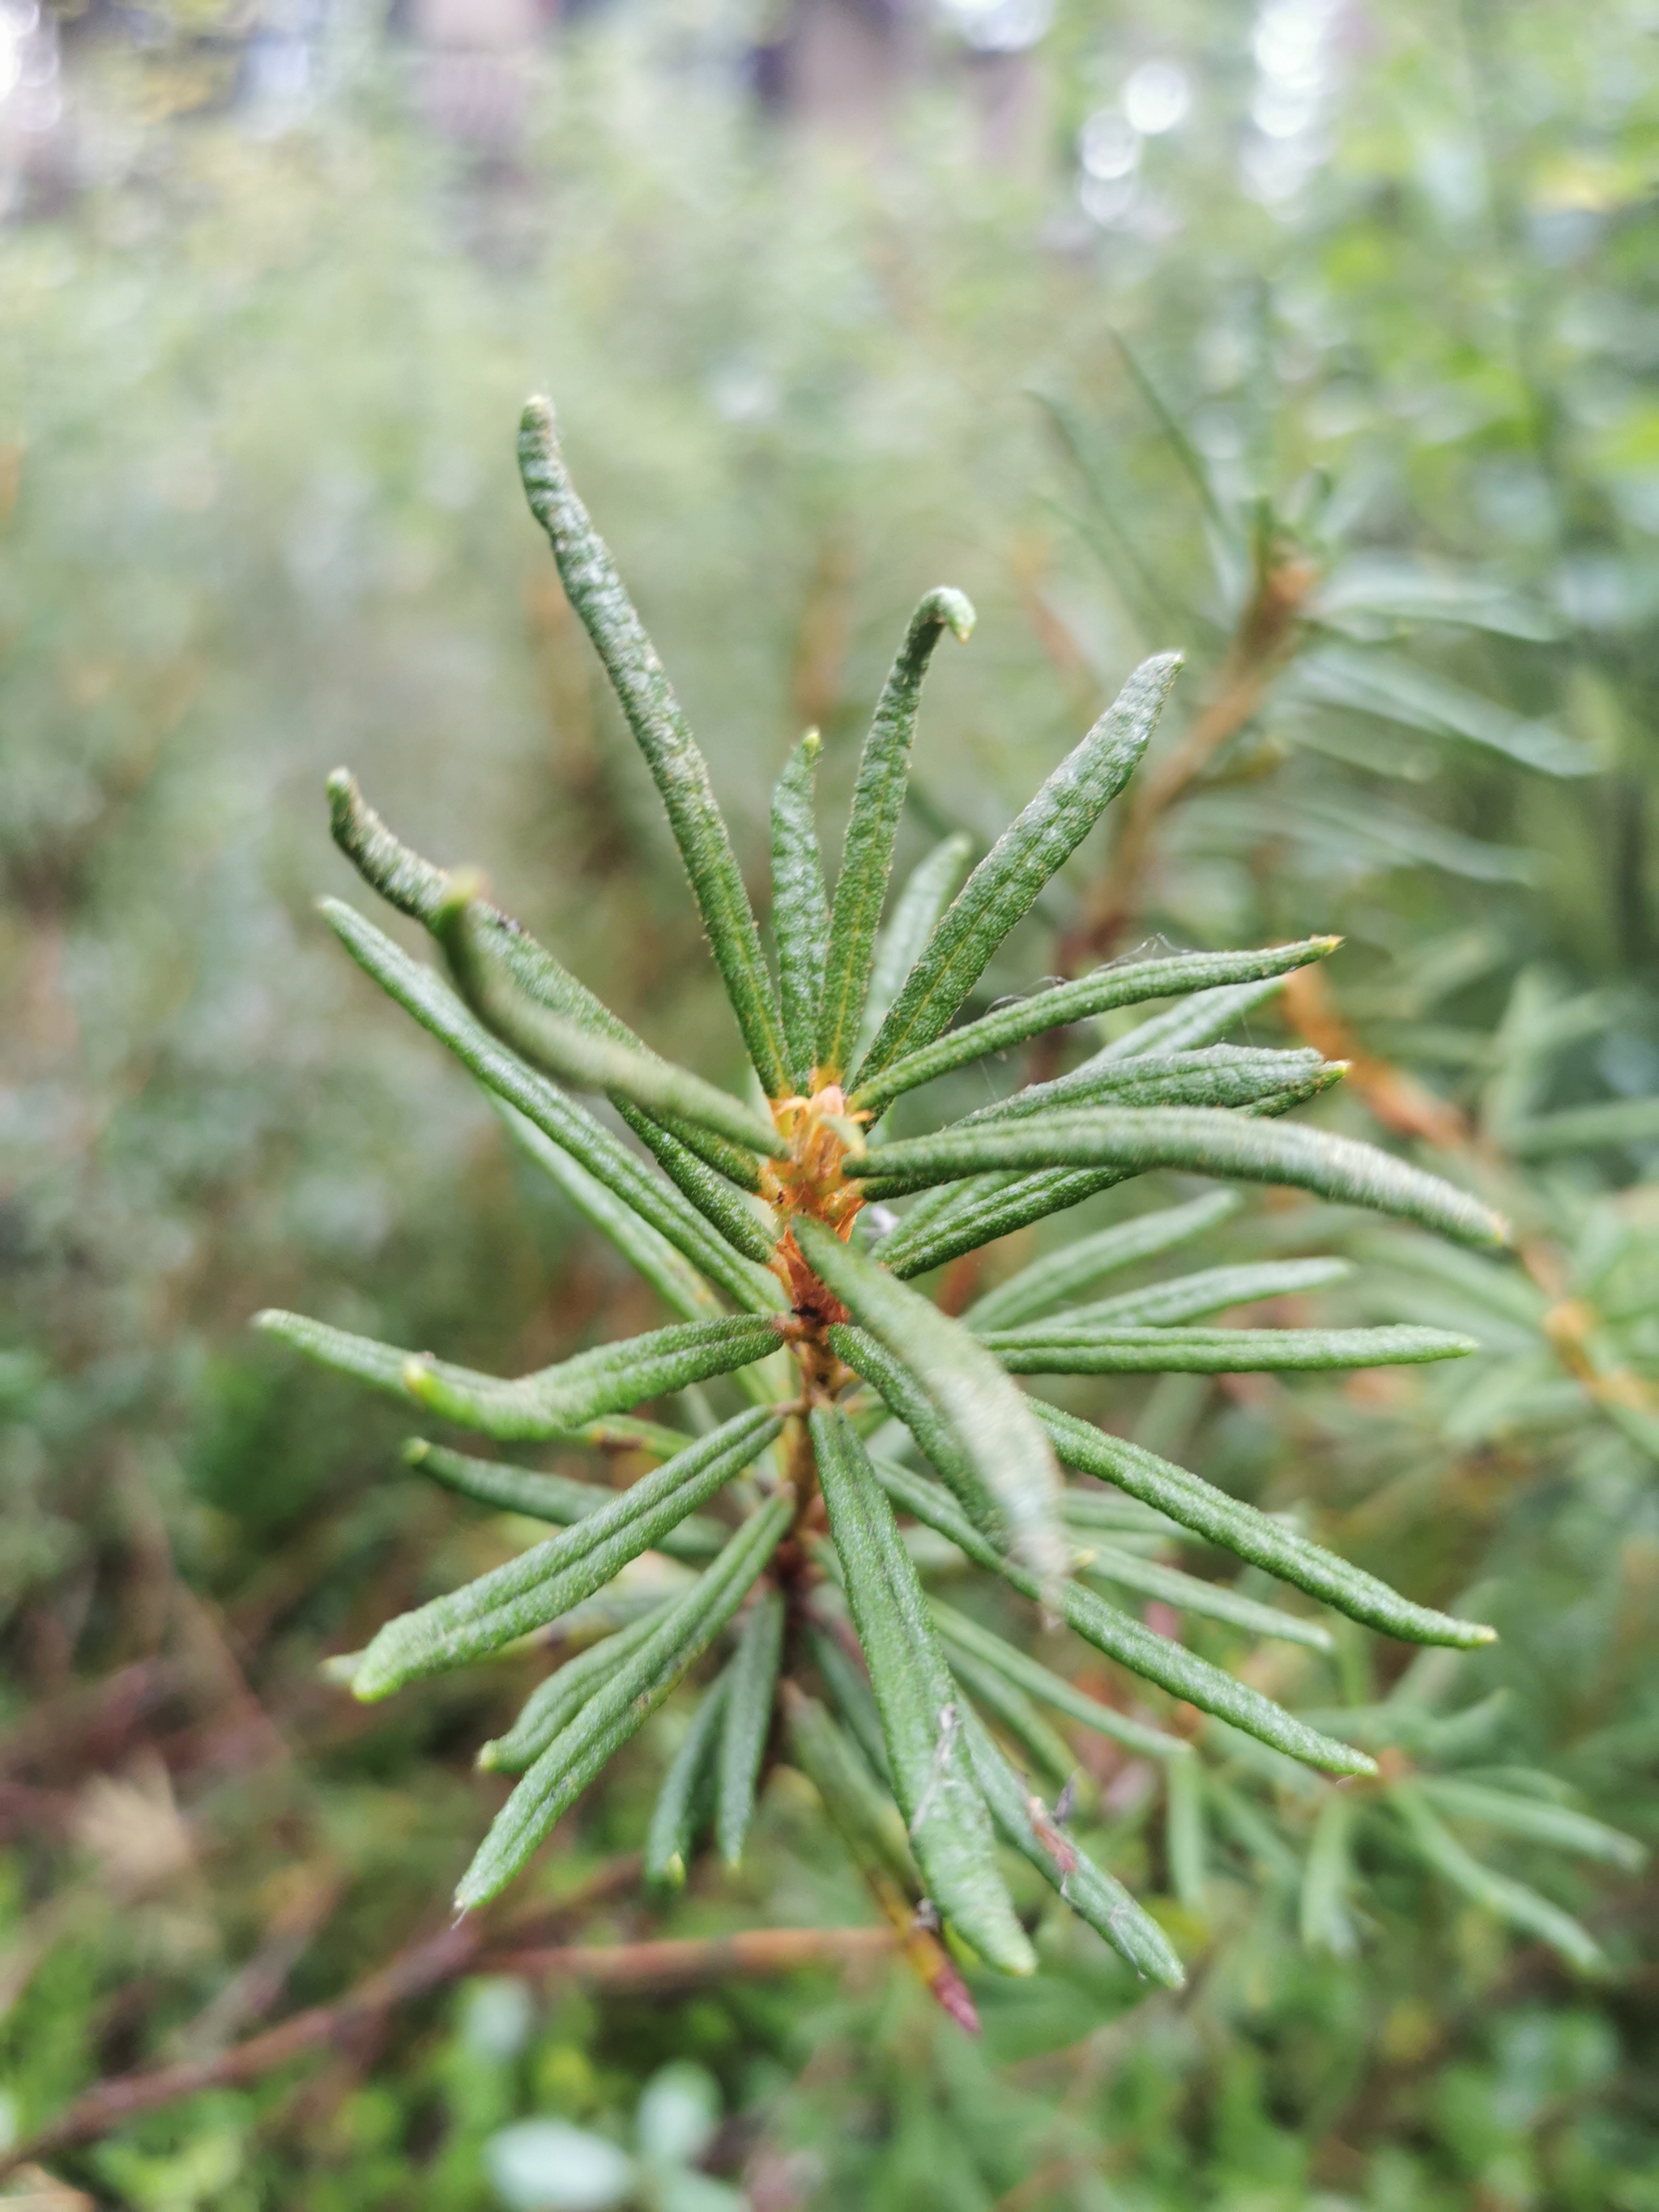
(702, 1220)
(878, 799)
(1003, 886)
(597, 592)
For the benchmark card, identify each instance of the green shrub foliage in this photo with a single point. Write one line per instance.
(856, 1437)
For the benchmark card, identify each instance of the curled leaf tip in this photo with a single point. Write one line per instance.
(954, 609)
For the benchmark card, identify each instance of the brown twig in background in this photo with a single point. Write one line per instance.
(471, 1946)
(1265, 635)
(1399, 1101)
(425, 1965)
(688, 1961)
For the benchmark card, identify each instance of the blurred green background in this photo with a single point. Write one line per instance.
(1124, 319)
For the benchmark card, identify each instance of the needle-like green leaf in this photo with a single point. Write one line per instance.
(1094, 1895)
(712, 1194)
(878, 799)
(949, 1827)
(1184, 1843)
(871, 1825)
(965, 1639)
(417, 888)
(903, 1394)
(1586, 1128)
(1196, 1021)
(552, 1403)
(424, 892)
(1220, 1075)
(948, 1221)
(1002, 887)
(1327, 1877)
(849, 1687)
(646, 1250)
(1202, 1141)
(425, 995)
(1240, 1529)
(901, 939)
(1154, 1657)
(1010, 1706)
(943, 1225)
(572, 1053)
(554, 1704)
(800, 907)
(596, 591)
(1041, 1349)
(1367, 681)
(1537, 1819)
(554, 1498)
(747, 1721)
(685, 1803)
(623, 1702)
(1126, 985)
(1498, 1893)
(991, 1434)
(547, 1580)
(1184, 1297)
(1210, 1601)
(1058, 1276)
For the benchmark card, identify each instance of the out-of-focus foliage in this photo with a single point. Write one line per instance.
(1390, 270)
